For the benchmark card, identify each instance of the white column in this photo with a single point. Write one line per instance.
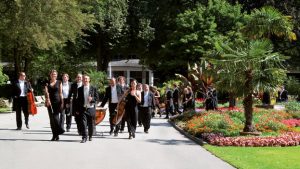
(128, 77)
(144, 77)
(110, 73)
(151, 78)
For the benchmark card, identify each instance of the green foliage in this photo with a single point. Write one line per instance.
(256, 56)
(60, 60)
(168, 84)
(2, 103)
(3, 77)
(293, 108)
(292, 85)
(268, 21)
(198, 29)
(41, 24)
(98, 80)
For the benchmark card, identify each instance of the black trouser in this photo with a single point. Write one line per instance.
(88, 120)
(123, 123)
(131, 118)
(54, 112)
(66, 115)
(112, 113)
(139, 116)
(169, 108)
(21, 105)
(176, 108)
(78, 120)
(145, 113)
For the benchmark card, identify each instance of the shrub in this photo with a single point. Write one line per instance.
(2, 103)
(293, 108)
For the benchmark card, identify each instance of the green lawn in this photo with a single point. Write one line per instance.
(259, 157)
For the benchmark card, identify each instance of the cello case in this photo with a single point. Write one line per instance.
(120, 109)
(31, 105)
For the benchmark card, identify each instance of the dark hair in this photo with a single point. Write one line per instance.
(53, 71)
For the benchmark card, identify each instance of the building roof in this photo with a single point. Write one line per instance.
(127, 64)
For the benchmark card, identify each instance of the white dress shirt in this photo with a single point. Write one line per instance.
(146, 99)
(22, 86)
(86, 90)
(114, 95)
(65, 89)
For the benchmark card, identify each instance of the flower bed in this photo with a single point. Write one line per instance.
(223, 128)
(286, 139)
(292, 122)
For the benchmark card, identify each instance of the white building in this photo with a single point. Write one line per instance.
(130, 68)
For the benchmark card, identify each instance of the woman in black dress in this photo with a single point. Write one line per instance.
(132, 100)
(54, 104)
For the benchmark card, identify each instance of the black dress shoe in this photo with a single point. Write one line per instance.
(110, 133)
(19, 128)
(146, 131)
(133, 135)
(27, 126)
(115, 134)
(83, 140)
(57, 138)
(90, 138)
(68, 130)
(130, 136)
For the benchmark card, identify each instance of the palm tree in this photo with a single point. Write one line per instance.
(267, 22)
(256, 67)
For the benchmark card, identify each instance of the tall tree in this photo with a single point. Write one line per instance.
(28, 25)
(105, 36)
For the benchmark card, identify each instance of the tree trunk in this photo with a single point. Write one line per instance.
(17, 60)
(102, 54)
(248, 102)
(232, 100)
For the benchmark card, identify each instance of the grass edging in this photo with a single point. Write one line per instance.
(5, 110)
(195, 139)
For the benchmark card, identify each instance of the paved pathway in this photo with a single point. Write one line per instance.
(162, 148)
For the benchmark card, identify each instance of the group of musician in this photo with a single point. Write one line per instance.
(65, 100)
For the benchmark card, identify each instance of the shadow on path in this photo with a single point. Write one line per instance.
(40, 140)
(171, 142)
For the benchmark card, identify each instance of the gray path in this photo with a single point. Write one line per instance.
(162, 148)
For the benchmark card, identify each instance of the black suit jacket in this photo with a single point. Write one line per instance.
(73, 95)
(150, 99)
(17, 88)
(16, 92)
(107, 96)
(80, 99)
(176, 95)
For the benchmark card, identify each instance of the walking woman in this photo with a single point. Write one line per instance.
(132, 100)
(54, 104)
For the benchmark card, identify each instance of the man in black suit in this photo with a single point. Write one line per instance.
(176, 99)
(113, 94)
(282, 95)
(146, 107)
(20, 103)
(73, 100)
(86, 107)
(169, 103)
